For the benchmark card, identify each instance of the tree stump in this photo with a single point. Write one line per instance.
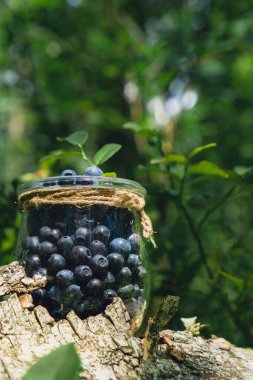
(106, 346)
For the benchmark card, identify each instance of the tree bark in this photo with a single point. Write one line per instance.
(106, 346)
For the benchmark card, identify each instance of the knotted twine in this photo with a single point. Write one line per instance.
(82, 197)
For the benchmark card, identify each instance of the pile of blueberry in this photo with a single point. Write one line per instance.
(85, 269)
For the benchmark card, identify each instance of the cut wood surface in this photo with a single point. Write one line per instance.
(106, 346)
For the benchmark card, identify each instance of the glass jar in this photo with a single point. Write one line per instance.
(86, 235)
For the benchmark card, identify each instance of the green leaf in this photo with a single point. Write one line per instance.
(110, 174)
(133, 126)
(169, 159)
(63, 363)
(238, 281)
(243, 170)
(144, 131)
(77, 138)
(106, 152)
(198, 150)
(56, 154)
(208, 168)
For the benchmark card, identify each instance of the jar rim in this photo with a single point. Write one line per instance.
(80, 181)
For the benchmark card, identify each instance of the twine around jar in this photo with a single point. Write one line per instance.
(81, 197)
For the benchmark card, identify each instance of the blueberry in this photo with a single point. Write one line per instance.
(64, 278)
(45, 233)
(38, 295)
(82, 274)
(99, 265)
(135, 241)
(68, 172)
(98, 247)
(137, 291)
(80, 255)
(33, 262)
(108, 296)
(31, 243)
(90, 306)
(110, 281)
(65, 244)
(133, 261)
(126, 292)
(93, 171)
(120, 245)
(46, 249)
(83, 236)
(101, 233)
(116, 262)
(72, 295)
(56, 263)
(58, 314)
(142, 274)
(124, 276)
(41, 271)
(95, 287)
(55, 293)
(55, 235)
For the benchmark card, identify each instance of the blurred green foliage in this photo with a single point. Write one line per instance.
(180, 73)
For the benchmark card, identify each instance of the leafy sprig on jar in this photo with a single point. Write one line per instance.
(78, 139)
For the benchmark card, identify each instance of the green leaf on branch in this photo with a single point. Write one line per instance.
(238, 281)
(144, 131)
(106, 152)
(208, 168)
(56, 154)
(200, 149)
(63, 363)
(243, 171)
(77, 138)
(170, 159)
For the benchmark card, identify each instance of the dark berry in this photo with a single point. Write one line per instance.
(137, 291)
(116, 262)
(93, 171)
(90, 306)
(97, 247)
(58, 314)
(41, 271)
(101, 233)
(126, 291)
(64, 278)
(99, 265)
(31, 243)
(95, 287)
(125, 276)
(72, 295)
(80, 255)
(45, 233)
(120, 245)
(110, 281)
(68, 172)
(108, 296)
(55, 293)
(65, 244)
(133, 261)
(82, 274)
(83, 236)
(55, 235)
(46, 249)
(33, 262)
(56, 263)
(142, 274)
(38, 295)
(135, 241)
